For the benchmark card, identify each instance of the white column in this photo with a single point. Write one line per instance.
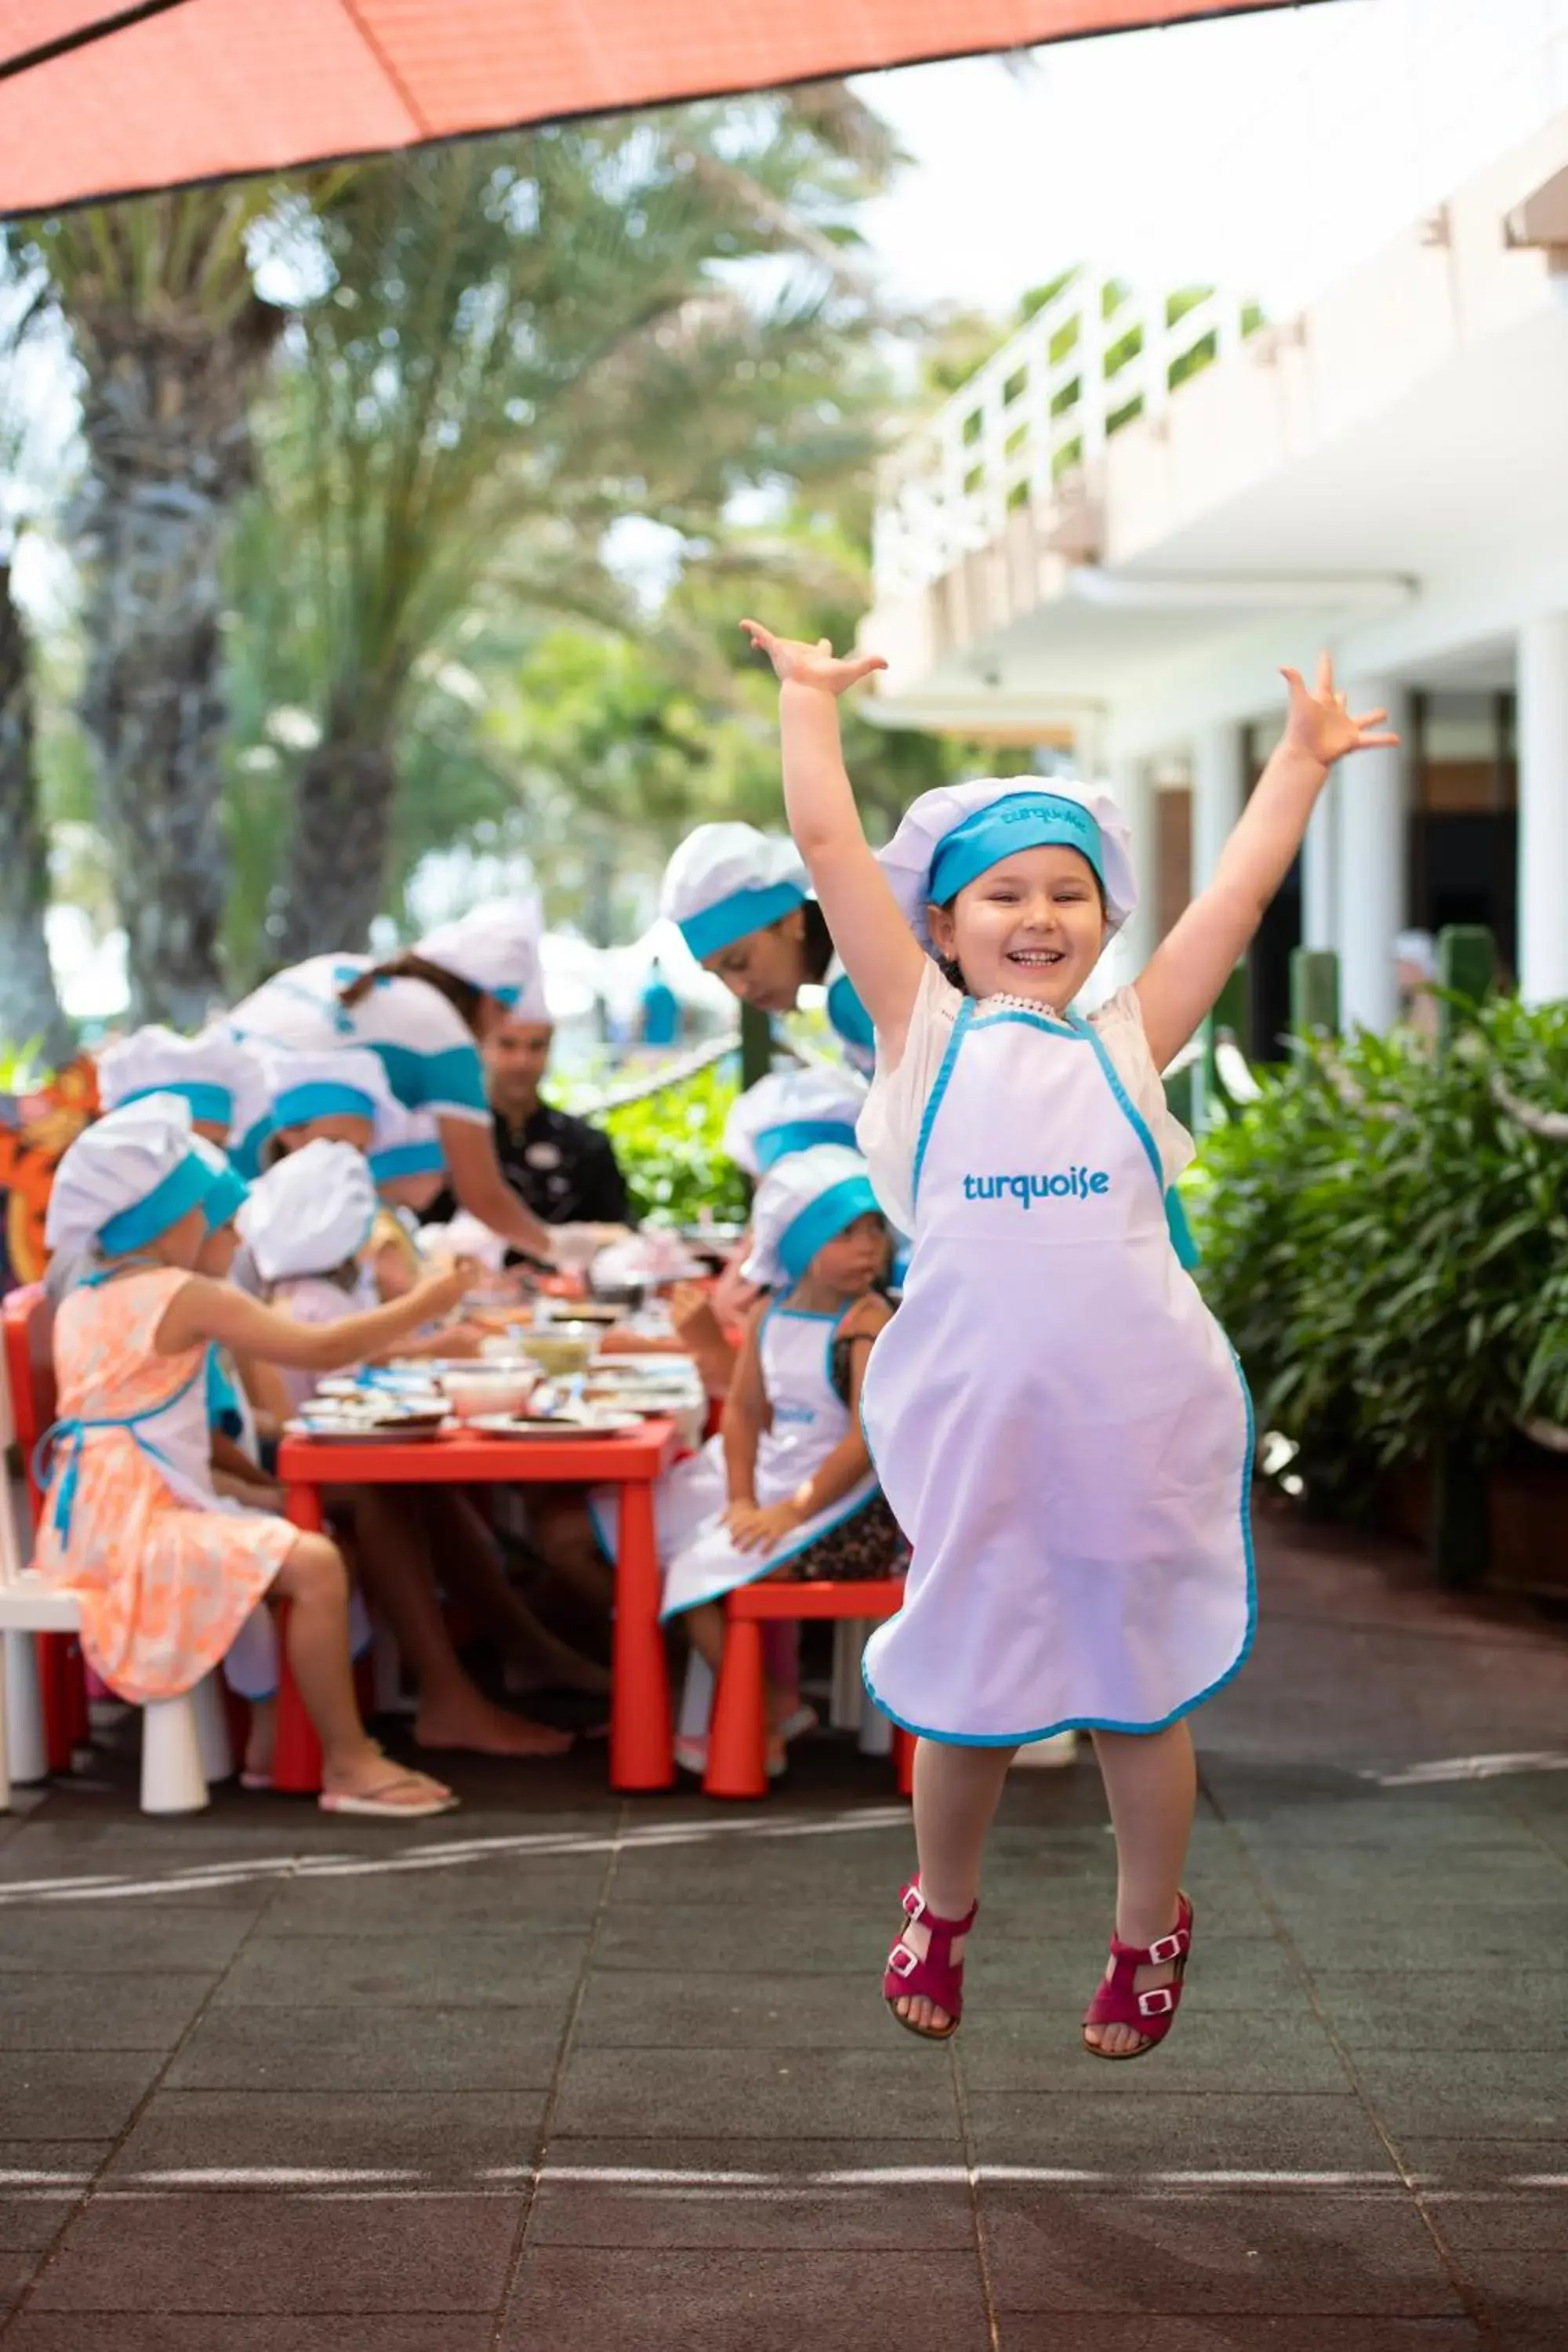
(1372, 835)
(1543, 809)
(1320, 871)
(1217, 798)
(1133, 782)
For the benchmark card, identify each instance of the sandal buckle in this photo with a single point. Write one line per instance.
(1160, 2002)
(914, 1903)
(1169, 1947)
(902, 1961)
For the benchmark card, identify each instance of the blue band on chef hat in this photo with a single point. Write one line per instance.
(226, 1195)
(731, 918)
(407, 1159)
(772, 1144)
(322, 1098)
(245, 1156)
(507, 996)
(209, 1104)
(185, 1188)
(1022, 821)
(823, 1222)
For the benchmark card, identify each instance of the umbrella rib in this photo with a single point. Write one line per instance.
(373, 45)
(85, 35)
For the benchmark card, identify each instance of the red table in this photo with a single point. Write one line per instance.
(642, 1752)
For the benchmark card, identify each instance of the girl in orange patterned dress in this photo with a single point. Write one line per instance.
(165, 1569)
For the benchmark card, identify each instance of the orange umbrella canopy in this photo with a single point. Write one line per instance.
(99, 99)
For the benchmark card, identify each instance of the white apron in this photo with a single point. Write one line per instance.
(1059, 1423)
(809, 1419)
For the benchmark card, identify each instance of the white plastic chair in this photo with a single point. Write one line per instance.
(184, 1740)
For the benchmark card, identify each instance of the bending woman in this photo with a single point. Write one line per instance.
(425, 1013)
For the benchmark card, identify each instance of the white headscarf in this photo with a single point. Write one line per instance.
(726, 880)
(908, 857)
(788, 1111)
(494, 948)
(219, 1078)
(803, 1202)
(308, 1213)
(126, 1179)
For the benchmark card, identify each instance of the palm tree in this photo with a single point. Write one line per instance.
(172, 340)
(29, 1006)
(519, 344)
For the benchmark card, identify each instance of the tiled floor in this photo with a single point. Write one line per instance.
(563, 2075)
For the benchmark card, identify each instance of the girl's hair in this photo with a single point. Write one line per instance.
(465, 1000)
(818, 942)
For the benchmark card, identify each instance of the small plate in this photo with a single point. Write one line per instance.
(558, 1425)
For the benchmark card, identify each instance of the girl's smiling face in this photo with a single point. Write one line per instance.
(1031, 926)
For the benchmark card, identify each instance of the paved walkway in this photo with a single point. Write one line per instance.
(567, 2075)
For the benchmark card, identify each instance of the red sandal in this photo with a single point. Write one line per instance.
(1149, 2013)
(938, 1976)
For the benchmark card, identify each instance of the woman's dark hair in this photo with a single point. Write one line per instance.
(465, 999)
(818, 942)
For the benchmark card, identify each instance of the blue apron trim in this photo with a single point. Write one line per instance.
(453, 1079)
(1102, 1722)
(60, 1447)
(965, 1015)
(1176, 1224)
(223, 1398)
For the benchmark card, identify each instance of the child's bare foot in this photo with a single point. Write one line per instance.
(469, 1721)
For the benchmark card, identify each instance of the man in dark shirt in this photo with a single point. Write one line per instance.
(563, 1169)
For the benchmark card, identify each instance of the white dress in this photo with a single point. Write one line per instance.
(1060, 1424)
(426, 1046)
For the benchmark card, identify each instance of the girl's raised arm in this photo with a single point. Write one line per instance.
(882, 955)
(1183, 977)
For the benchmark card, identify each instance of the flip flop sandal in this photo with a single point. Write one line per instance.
(938, 1976)
(377, 1805)
(1149, 2013)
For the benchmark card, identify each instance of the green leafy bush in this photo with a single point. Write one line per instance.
(1388, 1249)
(670, 1149)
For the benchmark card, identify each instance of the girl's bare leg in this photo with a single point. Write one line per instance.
(472, 1564)
(394, 1564)
(314, 1582)
(1151, 1781)
(957, 1791)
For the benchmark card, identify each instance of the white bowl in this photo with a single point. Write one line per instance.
(474, 1393)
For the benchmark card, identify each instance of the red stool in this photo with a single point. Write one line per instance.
(28, 1321)
(737, 1735)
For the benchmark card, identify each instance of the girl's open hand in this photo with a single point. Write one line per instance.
(798, 663)
(1320, 725)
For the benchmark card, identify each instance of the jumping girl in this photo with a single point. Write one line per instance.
(1058, 1420)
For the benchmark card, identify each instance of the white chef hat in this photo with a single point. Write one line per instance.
(227, 1191)
(310, 1211)
(494, 948)
(407, 1143)
(218, 1076)
(726, 880)
(343, 1082)
(1420, 948)
(953, 834)
(126, 1179)
(465, 1236)
(804, 1202)
(791, 1110)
